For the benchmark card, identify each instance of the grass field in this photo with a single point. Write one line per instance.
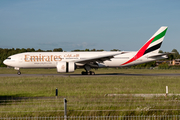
(35, 96)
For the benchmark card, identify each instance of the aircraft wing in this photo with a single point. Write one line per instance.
(99, 59)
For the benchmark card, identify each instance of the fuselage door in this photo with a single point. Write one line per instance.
(20, 59)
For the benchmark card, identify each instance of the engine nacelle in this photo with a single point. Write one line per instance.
(65, 67)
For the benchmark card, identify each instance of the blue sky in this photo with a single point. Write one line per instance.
(80, 24)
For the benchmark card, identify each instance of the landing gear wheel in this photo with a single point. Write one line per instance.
(83, 73)
(92, 73)
(19, 73)
(87, 73)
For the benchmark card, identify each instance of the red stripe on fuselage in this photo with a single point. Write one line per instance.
(140, 52)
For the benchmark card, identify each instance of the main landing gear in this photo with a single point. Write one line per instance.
(88, 72)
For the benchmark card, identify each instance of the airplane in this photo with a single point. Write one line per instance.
(66, 62)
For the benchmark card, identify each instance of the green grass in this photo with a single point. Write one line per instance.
(35, 96)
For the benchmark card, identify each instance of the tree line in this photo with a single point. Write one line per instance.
(4, 53)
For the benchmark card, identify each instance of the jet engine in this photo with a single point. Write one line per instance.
(65, 67)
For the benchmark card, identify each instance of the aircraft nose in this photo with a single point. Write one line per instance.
(5, 62)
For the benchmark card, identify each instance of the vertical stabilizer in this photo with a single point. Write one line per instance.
(152, 46)
(154, 43)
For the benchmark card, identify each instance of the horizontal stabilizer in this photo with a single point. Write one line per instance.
(159, 55)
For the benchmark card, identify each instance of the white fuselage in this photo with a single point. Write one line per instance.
(50, 59)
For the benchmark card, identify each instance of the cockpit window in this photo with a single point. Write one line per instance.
(9, 58)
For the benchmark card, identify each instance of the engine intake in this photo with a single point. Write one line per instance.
(63, 67)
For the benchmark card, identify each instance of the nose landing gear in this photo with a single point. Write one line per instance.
(19, 73)
(18, 69)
